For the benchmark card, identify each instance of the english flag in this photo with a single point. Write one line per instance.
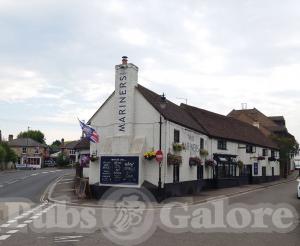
(89, 132)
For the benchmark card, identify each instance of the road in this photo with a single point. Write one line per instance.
(37, 226)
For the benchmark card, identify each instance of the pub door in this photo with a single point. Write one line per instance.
(249, 173)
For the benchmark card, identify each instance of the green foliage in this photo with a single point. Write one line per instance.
(36, 135)
(62, 160)
(2, 154)
(7, 154)
(287, 146)
(56, 143)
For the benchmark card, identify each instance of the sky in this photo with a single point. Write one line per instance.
(57, 58)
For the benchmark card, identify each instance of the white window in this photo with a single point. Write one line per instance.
(72, 151)
(24, 150)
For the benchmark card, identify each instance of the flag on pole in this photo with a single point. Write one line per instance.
(89, 132)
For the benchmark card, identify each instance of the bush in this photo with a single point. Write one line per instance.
(62, 160)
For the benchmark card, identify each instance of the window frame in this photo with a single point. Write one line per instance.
(176, 135)
(222, 144)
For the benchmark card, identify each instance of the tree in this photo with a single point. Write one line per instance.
(2, 154)
(62, 160)
(10, 155)
(287, 147)
(56, 143)
(36, 135)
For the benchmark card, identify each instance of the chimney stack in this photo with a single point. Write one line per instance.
(10, 137)
(124, 60)
(0, 136)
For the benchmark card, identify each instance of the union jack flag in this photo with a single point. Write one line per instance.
(89, 132)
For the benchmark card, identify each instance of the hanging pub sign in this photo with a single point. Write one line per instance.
(119, 170)
(255, 166)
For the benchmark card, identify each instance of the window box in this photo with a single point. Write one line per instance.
(150, 155)
(177, 147)
(210, 163)
(94, 158)
(261, 158)
(174, 159)
(195, 161)
(203, 152)
(272, 158)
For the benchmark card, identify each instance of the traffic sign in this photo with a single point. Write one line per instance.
(159, 156)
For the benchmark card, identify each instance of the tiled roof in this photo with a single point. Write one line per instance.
(220, 126)
(171, 112)
(83, 143)
(70, 145)
(25, 142)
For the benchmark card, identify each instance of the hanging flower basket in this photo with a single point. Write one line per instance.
(203, 152)
(174, 159)
(195, 161)
(177, 147)
(210, 163)
(272, 158)
(150, 155)
(240, 164)
(94, 158)
(261, 158)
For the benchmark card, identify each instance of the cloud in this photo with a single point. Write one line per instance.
(20, 84)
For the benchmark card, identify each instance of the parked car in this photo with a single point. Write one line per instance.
(49, 163)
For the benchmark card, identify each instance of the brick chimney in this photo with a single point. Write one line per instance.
(10, 137)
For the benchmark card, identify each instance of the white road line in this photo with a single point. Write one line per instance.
(45, 172)
(5, 225)
(21, 225)
(11, 182)
(34, 217)
(66, 237)
(34, 174)
(12, 231)
(27, 221)
(65, 241)
(3, 237)
(38, 214)
(1, 185)
(11, 221)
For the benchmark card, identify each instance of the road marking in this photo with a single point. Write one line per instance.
(27, 221)
(12, 231)
(3, 237)
(65, 241)
(11, 221)
(34, 174)
(45, 172)
(11, 182)
(5, 225)
(1, 185)
(34, 217)
(21, 225)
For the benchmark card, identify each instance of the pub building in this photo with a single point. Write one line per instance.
(201, 149)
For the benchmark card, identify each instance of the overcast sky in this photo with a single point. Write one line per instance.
(57, 57)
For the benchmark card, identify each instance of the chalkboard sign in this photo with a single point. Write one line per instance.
(255, 168)
(119, 170)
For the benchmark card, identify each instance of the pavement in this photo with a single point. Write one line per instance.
(63, 192)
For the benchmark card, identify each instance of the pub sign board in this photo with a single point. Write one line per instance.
(122, 170)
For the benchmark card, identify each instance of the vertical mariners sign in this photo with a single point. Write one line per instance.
(122, 102)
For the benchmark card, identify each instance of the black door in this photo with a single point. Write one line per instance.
(249, 173)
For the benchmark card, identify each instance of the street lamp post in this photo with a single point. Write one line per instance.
(162, 106)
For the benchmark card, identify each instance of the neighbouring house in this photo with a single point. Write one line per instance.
(270, 126)
(201, 149)
(31, 154)
(68, 148)
(82, 150)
